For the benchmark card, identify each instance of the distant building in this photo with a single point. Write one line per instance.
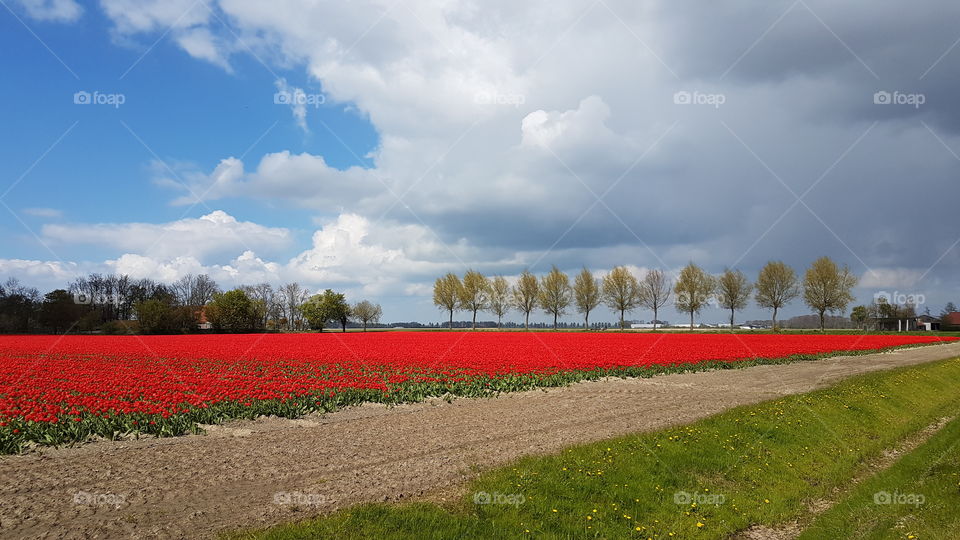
(202, 322)
(921, 323)
(951, 321)
(928, 323)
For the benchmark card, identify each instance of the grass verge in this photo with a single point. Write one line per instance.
(917, 497)
(754, 465)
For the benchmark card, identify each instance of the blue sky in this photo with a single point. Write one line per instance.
(175, 109)
(499, 137)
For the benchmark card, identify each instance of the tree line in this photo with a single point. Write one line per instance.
(826, 288)
(119, 304)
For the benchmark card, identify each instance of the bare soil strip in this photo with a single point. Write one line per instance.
(236, 474)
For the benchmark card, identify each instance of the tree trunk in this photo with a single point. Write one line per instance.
(654, 318)
(554, 320)
(691, 320)
(622, 326)
(821, 320)
(451, 319)
(343, 325)
(526, 321)
(774, 319)
(731, 319)
(474, 320)
(364, 326)
(499, 318)
(586, 320)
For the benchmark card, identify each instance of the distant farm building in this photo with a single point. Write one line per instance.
(951, 321)
(202, 322)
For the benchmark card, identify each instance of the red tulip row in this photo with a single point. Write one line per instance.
(114, 385)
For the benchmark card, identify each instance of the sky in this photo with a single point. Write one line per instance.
(372, 146)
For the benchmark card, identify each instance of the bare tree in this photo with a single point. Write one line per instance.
(195, 291)
(474, 294)
(826, 287)
(654, 292)
(203, 290)
(367, 312)
(183, 289)
(621, 292)
(733, 291)
(693, 290)
(776, 287)
(262, 298)
(107, 295)
(499, 295)
(525, 295)
(447, 295)
(586, 294)
(122, 300)
(293, 296)
(555, 294)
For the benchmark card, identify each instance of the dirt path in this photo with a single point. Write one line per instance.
(235, 475)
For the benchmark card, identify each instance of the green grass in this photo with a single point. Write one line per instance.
(761, 463)
(919, 497)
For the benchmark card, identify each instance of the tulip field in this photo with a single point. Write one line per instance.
(58, 390)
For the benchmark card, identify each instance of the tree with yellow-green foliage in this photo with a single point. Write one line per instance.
(654, 292)
(621, 291)
(474, 293)
(586, 294)
(693, 290)
(446, 294)
(555, 294)
(525, 295)
(827, 287)
(733, 291)
(499, 297)
(776, 287)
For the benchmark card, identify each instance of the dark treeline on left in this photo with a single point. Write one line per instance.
(106, 303)
(118, 304)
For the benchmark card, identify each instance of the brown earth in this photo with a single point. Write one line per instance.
(257, 473)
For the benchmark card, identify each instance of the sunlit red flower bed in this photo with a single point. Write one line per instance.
(56, 389)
